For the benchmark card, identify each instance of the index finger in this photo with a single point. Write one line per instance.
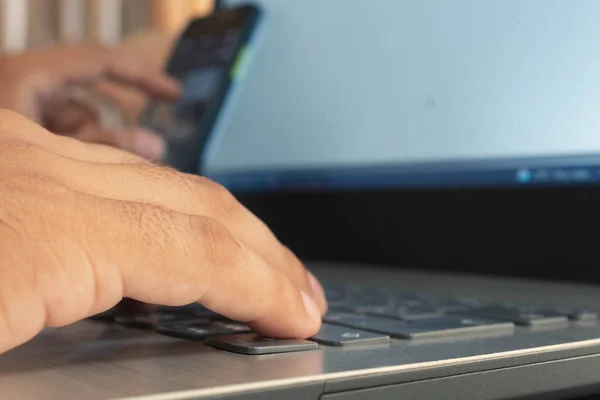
(99, 250)
(178, 259)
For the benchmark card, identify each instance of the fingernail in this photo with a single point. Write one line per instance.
(311, 307)
(149, 145)
(315, 285)
(318, 292)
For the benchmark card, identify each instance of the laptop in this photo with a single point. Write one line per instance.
(436, 164)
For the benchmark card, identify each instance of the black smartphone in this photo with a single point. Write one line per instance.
(207, 60)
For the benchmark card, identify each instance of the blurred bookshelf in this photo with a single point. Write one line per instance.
(29, 24)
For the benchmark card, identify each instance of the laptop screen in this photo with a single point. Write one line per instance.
(415, 93)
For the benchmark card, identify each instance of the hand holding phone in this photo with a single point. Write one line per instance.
(204, 61)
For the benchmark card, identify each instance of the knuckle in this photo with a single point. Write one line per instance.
(218, 243)
(155, 172)
(223, 201)
(158, 171)
(220, 202)
(212, 234)
(196, 185)
(218, 247)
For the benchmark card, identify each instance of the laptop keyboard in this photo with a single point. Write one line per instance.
(359, 317)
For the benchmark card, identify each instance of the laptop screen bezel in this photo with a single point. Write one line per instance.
(542, 233)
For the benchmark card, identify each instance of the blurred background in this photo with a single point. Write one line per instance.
(142, 29)
(28, 24)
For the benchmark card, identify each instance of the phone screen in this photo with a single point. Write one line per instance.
(203, 61)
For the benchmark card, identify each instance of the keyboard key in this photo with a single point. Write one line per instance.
(372, 296)
(151, 318)
(520, 316)
(332, 335)
(335, 292)
(201, 329)
(253, 344)
(582, 315)
(456, 304)
(406, 313)
(190, 312)
(200, 311)
(452, 326)
(106, 316)
(369, 323)
(383, 311)
(421, 297)
(445, 326)
(345, 318)
(401, 297)
(576, 315)
(365, 301)
(176, 317)
(413, 303)
(145, 321)
(355, 289)
(418, 312)
(369, 309)
(339, 310)
(136, 314)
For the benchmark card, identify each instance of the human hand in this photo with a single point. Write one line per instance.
(83, 226)
(35, 85)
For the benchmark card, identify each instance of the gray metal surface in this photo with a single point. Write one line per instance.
(94, 361)
(562, 379)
